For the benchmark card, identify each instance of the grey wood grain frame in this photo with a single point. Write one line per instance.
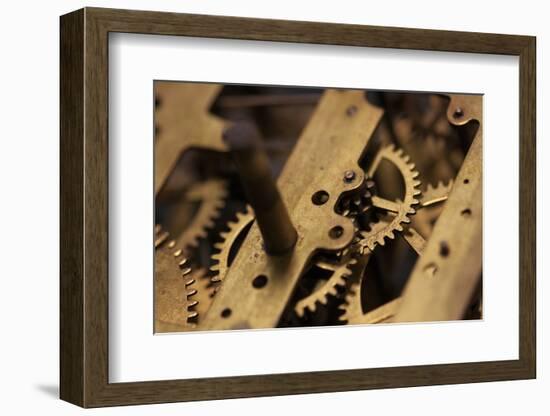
(84, 207)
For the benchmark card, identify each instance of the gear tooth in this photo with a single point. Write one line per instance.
(215, 279)
(417, 183)
(192, 304)
(215, 268)
(191, 292)
(399, 227)
(183, 262)
(345, 277)
(415, 201)
(216, 256)
(186, 271)
(391, 235)
(172, 244)
(178, 252)
(192, 315)
(189, 282)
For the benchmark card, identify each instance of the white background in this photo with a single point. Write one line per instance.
(138, 59)
(29, 218)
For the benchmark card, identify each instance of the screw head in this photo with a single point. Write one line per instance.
(351, 110)
(459, 112)
(349, 176)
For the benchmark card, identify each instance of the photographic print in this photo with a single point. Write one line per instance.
(280, 207)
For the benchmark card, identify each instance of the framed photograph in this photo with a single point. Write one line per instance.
(262, 207)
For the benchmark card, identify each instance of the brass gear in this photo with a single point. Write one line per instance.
(341, 271)
(211, 195)
(352, 207)
(203, 296)
(400, 210)
(352, 309)
(234, 230)
(430, 207)
(435, 194)
(173, 295)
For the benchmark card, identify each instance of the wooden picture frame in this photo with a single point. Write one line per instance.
(84, 207)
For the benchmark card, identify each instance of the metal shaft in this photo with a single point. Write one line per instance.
(245, 145)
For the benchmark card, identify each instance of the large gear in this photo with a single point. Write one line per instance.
(201, 286)
(173, 295)
(401, 210)
(352, 308)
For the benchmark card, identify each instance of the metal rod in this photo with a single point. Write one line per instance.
(245, 145)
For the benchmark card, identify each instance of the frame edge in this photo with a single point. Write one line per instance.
(528, 208)
(71, 337)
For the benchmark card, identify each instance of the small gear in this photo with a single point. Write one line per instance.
(359, 203)
(400, 210)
